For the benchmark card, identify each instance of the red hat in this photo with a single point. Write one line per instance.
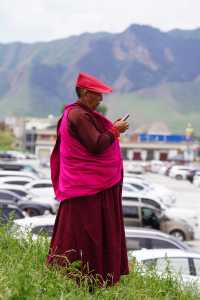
(89, 82)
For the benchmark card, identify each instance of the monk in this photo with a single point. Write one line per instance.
(87, 174)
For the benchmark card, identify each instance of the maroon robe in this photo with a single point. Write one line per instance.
(91, 228)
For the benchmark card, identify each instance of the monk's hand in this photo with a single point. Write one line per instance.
(122, 126)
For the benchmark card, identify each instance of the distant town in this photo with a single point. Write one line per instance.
(38, 135)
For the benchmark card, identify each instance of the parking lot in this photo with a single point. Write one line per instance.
(188, 197)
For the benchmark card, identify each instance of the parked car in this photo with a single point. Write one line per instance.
(184, 263)
(30, 206)
(40, 187)
(179, 172)
(19, 190)
(133, 167)
(9, 210)
(140, 238)
(139, 214)
(4, 156)
(152, 190)
(173, 212)
(37, 225)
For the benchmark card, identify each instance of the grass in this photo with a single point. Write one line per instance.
(24, 276)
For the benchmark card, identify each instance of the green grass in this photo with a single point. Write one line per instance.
(24, 276)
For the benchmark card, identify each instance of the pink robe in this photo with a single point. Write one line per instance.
(90, 227)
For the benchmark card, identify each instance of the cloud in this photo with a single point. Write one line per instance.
(52, 19)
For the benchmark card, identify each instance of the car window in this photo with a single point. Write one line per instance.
(6, 196)
(197, 265)
(151, 202)
(149, 218)
(17, 182)
(42, 185)
(135, 243)
(130, 212)
(127, 188)
(176, 264)
(29, 169)
(161, 244)
(147, 212)
(137, 186)
(48, 229)
(18, 192)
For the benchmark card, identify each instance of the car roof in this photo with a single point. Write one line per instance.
(38, 181)
(36, 221)
(140, 230)
(132, 194)
(147, 254)
(5, 186)
(152, 234)
(138, 204)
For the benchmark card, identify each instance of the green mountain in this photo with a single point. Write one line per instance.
(155, 74)
(175, 104)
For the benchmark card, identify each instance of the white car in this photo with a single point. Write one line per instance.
(40, 187)
(185, 263)
(37, 225)
(179, 172)
(196, 180)
(153, 190)
(173, 212)
(133, 167)
(156, 165)
(46, 199)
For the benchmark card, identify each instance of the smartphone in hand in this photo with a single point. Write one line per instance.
(125, 117)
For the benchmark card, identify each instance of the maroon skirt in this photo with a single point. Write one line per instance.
(91, 229)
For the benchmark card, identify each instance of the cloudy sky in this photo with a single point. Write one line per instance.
(44, 20)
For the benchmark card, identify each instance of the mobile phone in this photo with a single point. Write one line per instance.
(125, 117)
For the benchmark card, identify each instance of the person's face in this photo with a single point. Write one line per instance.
(93, 99)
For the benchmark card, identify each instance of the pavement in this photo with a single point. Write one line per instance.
(187, 195)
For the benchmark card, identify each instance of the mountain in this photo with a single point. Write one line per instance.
(155, 74)
(186, 34)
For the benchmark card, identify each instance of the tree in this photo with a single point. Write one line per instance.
(6, 140)
(102, 109)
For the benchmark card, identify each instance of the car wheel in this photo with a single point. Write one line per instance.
(32, 212)
(179, 234)
(179, 177)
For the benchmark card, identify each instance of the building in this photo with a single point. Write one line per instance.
(161, 147)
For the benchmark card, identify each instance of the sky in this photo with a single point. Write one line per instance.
(45, 20)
